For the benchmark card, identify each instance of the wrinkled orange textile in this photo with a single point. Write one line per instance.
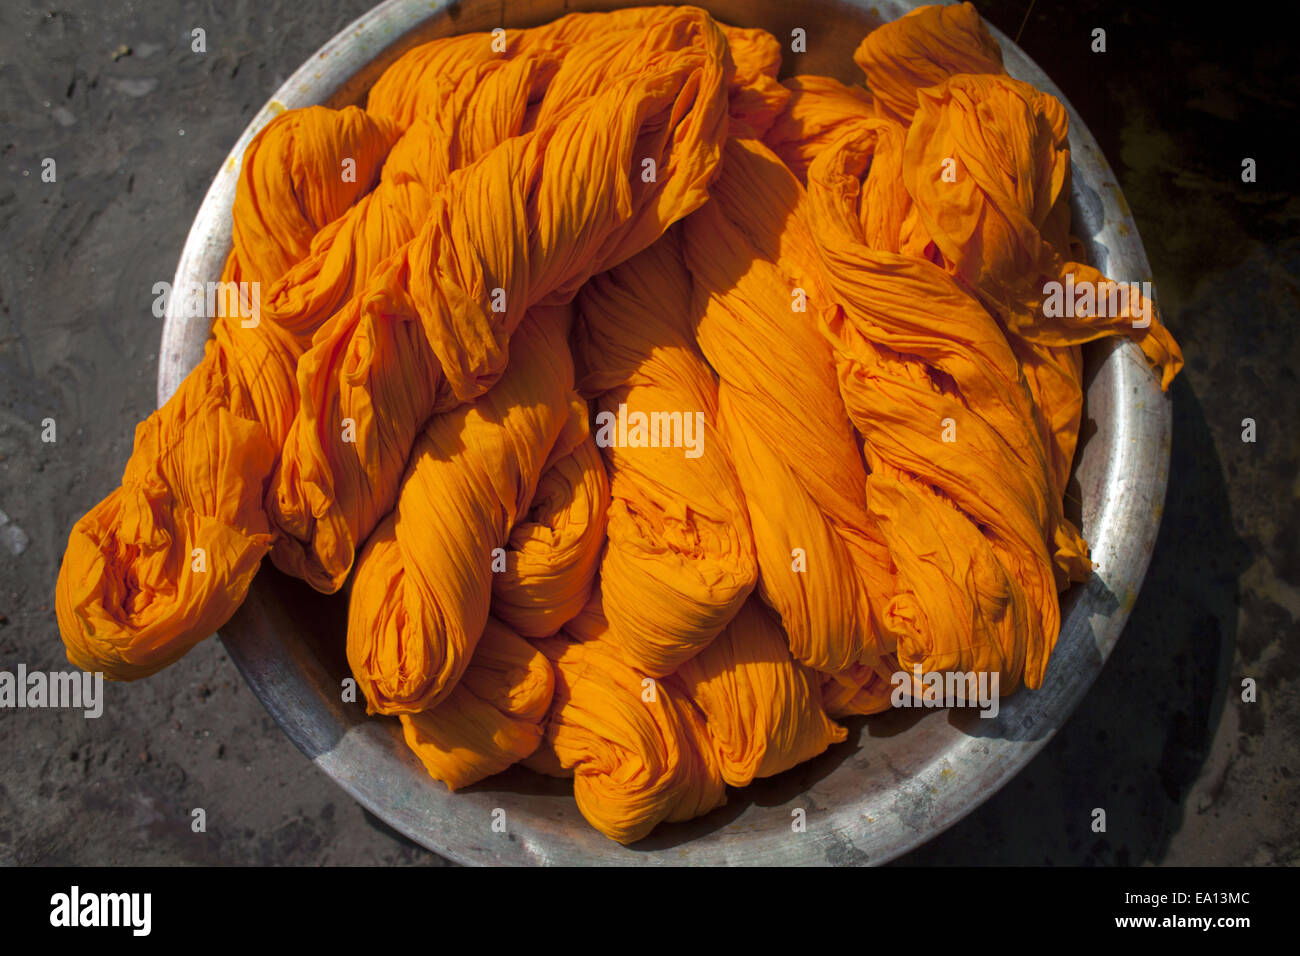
(425, 337)
(762, 709)
(494, 716)
(1023, 235)
(812, 119)
(778, 398)
(424, 582)
(420, 83)
(922, 49)
(981, 121)
(280, 201)
(130, 598)
(680, 560)
(967, 522)
(292, 177)
(756, 96)
(554, 551)
(523, 240)
(345, 253)
(638, 749)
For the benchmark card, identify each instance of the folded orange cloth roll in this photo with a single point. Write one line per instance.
(549, 564)
(423, 585)
(763, 710)
(680, 560)
(812, 119)
(638, 749)
(960, 483)
(346, 252)
(165, 559)
(492, 719)
(921, 49)
(440, 83)
(989, 223)
(303, 171)
(780, 411)
(527, 223)
(1004, 233)
(426, 81)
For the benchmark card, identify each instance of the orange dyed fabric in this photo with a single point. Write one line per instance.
(680, 559)
(921, 50)
(166, 558)
(763, 709)
(494, 716)
(777, 400)
(423, 587)
(653, 411)
(529, 222)
(639, 751)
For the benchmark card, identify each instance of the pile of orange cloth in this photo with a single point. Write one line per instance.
(656, 412)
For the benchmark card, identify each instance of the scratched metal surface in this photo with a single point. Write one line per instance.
(902, 777)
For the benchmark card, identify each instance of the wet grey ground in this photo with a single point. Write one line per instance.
(137, 125)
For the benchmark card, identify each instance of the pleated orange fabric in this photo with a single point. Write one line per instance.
(549, 564)
(756, 96)
(165, 559)
(508, 232)
(437, 83)
(424, 79)
(812, 119)
(762, 709)
(494, 716)
(922, 49)
(1022, 232)
(344, 254)
(990, 224)
(817, 548)
(303, 171)
(304, 166)
(959, 480)
(638, 749)
(423, 585)
(680, 560)
(900, 60)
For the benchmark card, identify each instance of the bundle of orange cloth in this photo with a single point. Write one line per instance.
(655, 411)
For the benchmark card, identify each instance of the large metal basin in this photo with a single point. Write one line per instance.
(901, 777)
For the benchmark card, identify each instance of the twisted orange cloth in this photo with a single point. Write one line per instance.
(492, 718)
(550, 563)
(817, 547)
(667, 410)
(680, 560)
(423, 585)
(165, 559)
(531, 221)
(922, 49)
(813, 119)
(920, 362)
(763, 709)
(639, 750)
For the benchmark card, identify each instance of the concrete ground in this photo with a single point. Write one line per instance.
(137, 125)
